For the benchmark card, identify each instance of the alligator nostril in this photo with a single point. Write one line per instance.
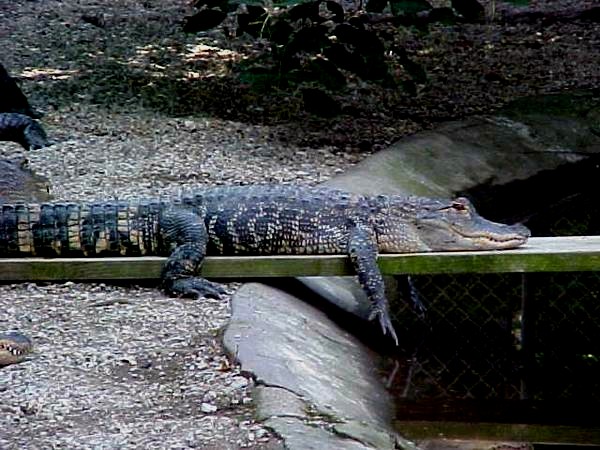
(522, 229)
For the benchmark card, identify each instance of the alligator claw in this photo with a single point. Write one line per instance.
(416, 303)
(195, 288)
(384, 321)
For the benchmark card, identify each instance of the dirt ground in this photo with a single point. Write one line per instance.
(138, 59)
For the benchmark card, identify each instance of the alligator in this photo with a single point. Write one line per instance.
(23, 130)
(13, 99)
(14, 347)
(254, 220)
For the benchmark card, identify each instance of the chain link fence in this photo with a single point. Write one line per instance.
(517, 338)
(500, 336)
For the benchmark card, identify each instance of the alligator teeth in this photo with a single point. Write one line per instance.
(12, 350)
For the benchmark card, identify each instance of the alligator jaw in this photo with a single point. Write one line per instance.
(442, 225)
(497, 242)
(14, 347)
(479, 236)
(509, 236)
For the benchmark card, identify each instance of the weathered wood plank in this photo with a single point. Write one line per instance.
(543, 254)
(539, 255)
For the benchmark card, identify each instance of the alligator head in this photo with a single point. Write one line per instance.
(13, 348)
(455, 225)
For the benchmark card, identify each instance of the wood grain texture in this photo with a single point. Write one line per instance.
(563, 254)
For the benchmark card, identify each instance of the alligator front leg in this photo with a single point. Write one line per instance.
(187, 231)
(23, 130)
(363, 253)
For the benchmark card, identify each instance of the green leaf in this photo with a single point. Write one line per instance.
(280, 32)
(256, 22)
(337, 10)
(308, 10)
(204, 20)
(518, 2)
(365, 41)
(376, 6)
(308, 39)
(409, 7)
(327, 74)
(444, 16)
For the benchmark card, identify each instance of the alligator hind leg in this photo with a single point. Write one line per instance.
(187, 231)
(363, 253)
(23, 130)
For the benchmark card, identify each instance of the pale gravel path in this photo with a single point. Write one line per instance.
(138, 370)
(121, 368)
(145, 370)
(114, 154)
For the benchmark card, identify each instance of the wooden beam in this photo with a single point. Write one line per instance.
(542, 254)
(563, 254)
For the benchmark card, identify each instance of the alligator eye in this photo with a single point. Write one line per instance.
(459, 206)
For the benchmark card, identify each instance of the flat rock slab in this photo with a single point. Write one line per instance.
(319, 389)
(18, 182)
(344, 292)
(318, 384)
(528, 136)
(525, 138)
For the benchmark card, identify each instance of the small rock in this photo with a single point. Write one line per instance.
(208, 408)
(239, 382)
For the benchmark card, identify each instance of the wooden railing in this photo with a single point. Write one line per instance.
(556, 254)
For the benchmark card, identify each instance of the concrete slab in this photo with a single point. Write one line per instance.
(460, 155)
(525, 138)
(300, 436)
(318, 384)
(318, 389)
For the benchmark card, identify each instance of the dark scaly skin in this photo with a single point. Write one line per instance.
(255, 220)
(14, 347)
(12, 99)
(23, 130)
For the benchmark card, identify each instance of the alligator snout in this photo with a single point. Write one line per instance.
(14, 347)
(522, 230)
(511, 232)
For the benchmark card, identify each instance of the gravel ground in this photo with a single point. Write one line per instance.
(126, 367)
(103, 154)
(121, 368)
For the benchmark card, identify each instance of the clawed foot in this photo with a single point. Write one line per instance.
(194, 288)
(381, 313)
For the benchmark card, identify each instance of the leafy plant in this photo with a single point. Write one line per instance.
(317, 44)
